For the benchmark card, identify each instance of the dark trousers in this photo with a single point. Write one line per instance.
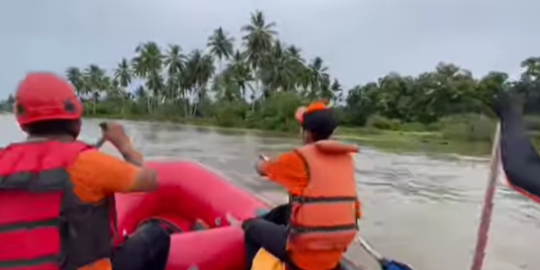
(147, 248)
(269, 232)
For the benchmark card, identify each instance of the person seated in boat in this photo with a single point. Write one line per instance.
(314, 229)
(57, 193)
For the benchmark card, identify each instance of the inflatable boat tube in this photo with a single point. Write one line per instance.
(195, 201)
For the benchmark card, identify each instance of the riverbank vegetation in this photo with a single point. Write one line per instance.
(259, 85)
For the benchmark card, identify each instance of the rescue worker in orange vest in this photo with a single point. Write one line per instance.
(314, 229)
(57, 207)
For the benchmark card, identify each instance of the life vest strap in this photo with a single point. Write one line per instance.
(53, 222)
(297, 229)
(298, 201)
(30, 262)
(57, 179)
(305, 199)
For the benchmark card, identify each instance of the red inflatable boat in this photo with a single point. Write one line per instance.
(196, 201)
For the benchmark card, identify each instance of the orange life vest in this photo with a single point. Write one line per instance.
(324, 216)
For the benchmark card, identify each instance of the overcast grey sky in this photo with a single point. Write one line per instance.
(359, 40)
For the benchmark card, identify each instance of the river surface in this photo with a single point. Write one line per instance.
(417, 209)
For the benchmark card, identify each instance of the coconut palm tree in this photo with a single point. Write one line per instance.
(95, 83)
(240, 73)
(337, 92)
(76, 78)
(148, 66)
(318, 78)
(299, 68)
(225, 87)
(148, 60)
(278, 70)
(140, 93)
(174, 63)
(117, 93)
(258, 39)
(221, 46)
(199, 69)
(123, 73)
(174, 60)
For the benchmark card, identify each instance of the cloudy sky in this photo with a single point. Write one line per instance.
(358, 39)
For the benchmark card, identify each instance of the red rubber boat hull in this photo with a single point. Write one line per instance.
(191, 194)
(188, 191)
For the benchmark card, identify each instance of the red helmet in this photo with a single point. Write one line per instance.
(44, 96)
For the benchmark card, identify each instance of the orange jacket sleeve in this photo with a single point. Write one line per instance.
(288, 170)
(96, 175)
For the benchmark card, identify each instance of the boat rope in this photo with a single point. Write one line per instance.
(487, 210)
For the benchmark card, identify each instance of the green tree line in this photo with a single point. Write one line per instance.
(262, 82)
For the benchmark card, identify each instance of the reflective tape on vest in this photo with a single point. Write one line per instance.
(301, 201)
(29, 226)
(45, 188)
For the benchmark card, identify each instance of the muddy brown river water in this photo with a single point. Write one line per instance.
(422, 210)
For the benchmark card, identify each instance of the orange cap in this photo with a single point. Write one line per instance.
(315, 106)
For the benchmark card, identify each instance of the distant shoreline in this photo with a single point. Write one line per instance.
(428, 143)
